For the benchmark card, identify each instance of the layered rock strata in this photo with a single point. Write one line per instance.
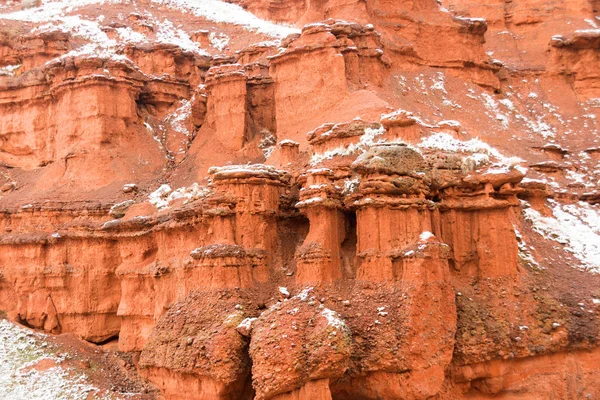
(338, 233)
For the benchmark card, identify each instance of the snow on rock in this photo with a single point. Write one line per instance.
(425, 236)
(21, 349)
(577, 226)
(50, 10)
(220, 11)
(219, 40)
(366, 140)
(479, 151)
(59, 15)
(100, 44)
(450, 124)
(190, 193)
(594, 32)
(405, 116)
(128, 35)
(212, 10)
(178, 118)
(245, 327)
(579, 178)
(350, 186)
(439, 83)
(78, 27)
(311, 201)
(303, 295)
(158, 198)
(536, 125)
(9, 70)
(446, 142)
(333, 319)
(525, 252)
(470, 19)
(164, 195)
(168, 34)
(288, 142)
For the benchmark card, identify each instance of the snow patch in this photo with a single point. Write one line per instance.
(312, 200)
(9, 70)
(158, 198)
(220, 11)
(164, 195)
(425, 236)
(366, 140)
(333, 319)
(178, 118)
(20, 349)
(525, 253)
(212, 10)
(218, 40)
(577, 226)
(445, 142)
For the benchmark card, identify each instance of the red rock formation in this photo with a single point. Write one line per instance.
(483, 241)
(33, 51)
(559, 370)
(226, 104)
(210, 358)
(320, 245)
(463, 35)
(310, 73)
(392, 200)
(574, 58)
(313, 346)
(319, 258)
(62, 285)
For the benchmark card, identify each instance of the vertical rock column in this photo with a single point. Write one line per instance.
(392, 211)
(319, 257)
(226, 104)
(396, 245)
(242, 217)
(289, 152)
(310, 80)
(138, 273)
(476, 223)
(431, 315)
(402, 125)
(222, 263)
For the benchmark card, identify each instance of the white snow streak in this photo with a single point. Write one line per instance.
(577, 226)
(20, 349)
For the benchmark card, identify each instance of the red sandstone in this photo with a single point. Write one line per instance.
(328, 250)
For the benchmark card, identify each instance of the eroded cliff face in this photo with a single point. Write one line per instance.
(375, 201)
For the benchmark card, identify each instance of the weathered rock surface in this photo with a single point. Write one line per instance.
(379, 201)
(195, 351)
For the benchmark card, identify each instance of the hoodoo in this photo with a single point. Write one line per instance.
(292, 200)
